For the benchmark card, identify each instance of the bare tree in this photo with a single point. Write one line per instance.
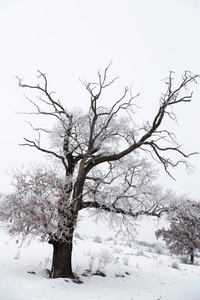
(99, 152)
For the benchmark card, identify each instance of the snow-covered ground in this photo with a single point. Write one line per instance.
(133, 271)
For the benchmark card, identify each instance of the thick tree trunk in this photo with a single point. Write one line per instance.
(62, 259)
(62, 247)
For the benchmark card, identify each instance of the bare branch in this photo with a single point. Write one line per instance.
(155, 211)
(37, 146)
(169, 99)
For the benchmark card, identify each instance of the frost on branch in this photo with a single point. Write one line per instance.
(32, 208)
(123, 191)
(183, 236)
(118, 194)
(108, 133)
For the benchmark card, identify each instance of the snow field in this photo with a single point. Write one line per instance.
(135, 272)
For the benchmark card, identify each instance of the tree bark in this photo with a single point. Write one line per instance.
(62, 259)
(62, 247)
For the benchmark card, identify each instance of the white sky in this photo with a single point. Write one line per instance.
(74, 39)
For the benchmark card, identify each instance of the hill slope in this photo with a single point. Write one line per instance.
(132, 272)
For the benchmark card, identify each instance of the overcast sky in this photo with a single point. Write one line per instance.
(69, 40)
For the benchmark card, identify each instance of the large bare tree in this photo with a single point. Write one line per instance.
(100, 153)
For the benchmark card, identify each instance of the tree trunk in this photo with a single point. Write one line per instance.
(192, 258)
(62, 259)
(62, 247)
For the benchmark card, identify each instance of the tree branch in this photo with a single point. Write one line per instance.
(33, 144)
(169, 99)
(155, 211)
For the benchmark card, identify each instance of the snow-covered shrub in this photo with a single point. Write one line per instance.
(98, 239)
(91, 263)
(158, 249)
(100, 259)
(125, 260)
(175, 265)
(78, 236)
(184, 259)
(104, 257)
(139, 253)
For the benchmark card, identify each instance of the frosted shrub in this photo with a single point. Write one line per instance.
(104, 257)
(101, 259)
(175, 265)
(110, 239)
(185, 259)
(140, 253)
(91, 263)
(158, 249)
(125, 260)
(78, 236)
(97, 239)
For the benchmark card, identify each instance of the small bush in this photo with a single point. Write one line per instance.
(97, 239)
(139, 253)
(125, 260)
(138, 266)
(158, 249)
(184, 259)
(78, 236)
(104, 257)
(100, 259)
(129, 244)
(110, 239)
(91, 263)
(175, 265)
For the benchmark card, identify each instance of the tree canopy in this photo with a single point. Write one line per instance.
(183, 235)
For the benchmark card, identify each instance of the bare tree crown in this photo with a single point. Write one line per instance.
(97, 136)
